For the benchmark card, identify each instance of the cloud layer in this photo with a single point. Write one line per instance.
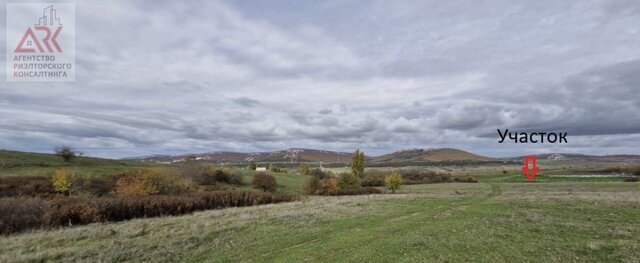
(174, 77)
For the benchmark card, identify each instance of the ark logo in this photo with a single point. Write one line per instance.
(40, 42)
(48, 21)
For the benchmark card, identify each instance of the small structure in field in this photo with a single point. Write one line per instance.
(261, 169)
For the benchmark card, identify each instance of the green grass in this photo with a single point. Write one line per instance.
(288, 183)
(501, 219)
(23, 163)
(501, 222)
(547, 179)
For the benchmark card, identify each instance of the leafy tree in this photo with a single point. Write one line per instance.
(61, 181)
(265, 182)
(393, 181)
(357, 164)
(252, 166)
(349, 181)
(66, 153)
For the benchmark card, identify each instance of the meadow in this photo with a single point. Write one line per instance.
(501, 219)
(501, 222)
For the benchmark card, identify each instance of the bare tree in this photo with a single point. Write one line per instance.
(67, 153)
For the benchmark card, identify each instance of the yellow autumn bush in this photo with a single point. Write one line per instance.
(61, 181)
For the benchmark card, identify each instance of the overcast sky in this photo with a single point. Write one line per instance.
(170, 77)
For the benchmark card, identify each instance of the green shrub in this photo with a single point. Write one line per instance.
(393, 181)
(409, 176)
(229, 176)
(349, 181)
(416, 176)
(212, 175)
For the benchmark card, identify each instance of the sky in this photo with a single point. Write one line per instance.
(174, 77)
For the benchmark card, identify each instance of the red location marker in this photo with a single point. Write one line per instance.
(525, 169)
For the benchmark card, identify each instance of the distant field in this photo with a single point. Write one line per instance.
(551, 179)
(21, 163)
(500, 222)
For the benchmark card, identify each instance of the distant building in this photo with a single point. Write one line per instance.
(261, 169)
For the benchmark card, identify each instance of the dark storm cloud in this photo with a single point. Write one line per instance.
(247, 102)
(469, 116)
(598, 101)
(171, 77)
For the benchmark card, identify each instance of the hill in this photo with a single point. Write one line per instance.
(28, 163)
(295, 155)
(10, 159)
(431, 155)
(290, 155)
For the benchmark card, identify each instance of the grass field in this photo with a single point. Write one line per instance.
(501, 219)
(499, 222)
(22, 163)
(288, 183)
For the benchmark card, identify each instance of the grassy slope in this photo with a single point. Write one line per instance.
(480, 222)
(23, 163)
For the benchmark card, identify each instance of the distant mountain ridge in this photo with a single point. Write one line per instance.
(289, 155)
(312, 155)
(11, 158)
